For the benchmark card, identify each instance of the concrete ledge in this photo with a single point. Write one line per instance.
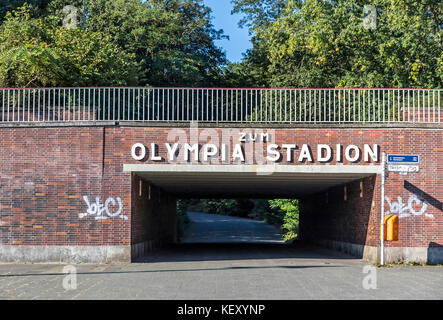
(296, 125)
(221, 125)
(246, 168)
(58, 124)
(431, 255)
(65, 254)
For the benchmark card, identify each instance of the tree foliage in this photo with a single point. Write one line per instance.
(36, 53)
(26, 58)
(172, 41)
(228, 207)
(290, 211)
(323, 43)
(126, 42)
(258, 13)
(12, 5)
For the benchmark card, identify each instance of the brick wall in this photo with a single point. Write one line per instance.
(344, 213)
(154, 218)
(46, 173)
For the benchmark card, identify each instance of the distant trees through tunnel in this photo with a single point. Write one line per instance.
(283, 213)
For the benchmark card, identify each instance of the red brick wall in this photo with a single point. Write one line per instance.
(45, 172)
(328, 215)
(153, 214)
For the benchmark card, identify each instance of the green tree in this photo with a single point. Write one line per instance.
(92, 59)
(258, 13)
(26, 58)
(34, 52)
(318, 43)
(11, 5)
(172, 41)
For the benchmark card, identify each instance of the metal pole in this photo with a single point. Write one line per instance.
(84, 15)
(382, 222)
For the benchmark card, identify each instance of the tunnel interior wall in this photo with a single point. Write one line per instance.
(153, 219)
(342, 217)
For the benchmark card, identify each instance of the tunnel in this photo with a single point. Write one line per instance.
(157, 187)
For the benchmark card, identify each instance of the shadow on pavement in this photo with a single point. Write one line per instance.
(170, 270)
(239, 251)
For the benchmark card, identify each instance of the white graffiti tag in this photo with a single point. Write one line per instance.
(97, 209)
(404, 210)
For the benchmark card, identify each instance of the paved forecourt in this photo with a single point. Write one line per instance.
(226, 271)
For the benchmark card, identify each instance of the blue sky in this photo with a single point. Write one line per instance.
(239, 39)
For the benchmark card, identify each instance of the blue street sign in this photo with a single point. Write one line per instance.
(393, 158)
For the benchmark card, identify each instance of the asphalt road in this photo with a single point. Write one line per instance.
(228, 266)
(211, 228)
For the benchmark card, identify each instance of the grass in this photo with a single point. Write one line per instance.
(391, 264)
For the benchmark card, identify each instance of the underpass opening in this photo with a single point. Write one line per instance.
(335, 202)
(229, 221)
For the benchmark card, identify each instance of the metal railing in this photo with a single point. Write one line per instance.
(221, 105)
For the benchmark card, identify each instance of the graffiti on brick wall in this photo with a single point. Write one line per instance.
(112, 208)
(414, 207)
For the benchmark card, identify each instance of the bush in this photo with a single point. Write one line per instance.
(290, 210)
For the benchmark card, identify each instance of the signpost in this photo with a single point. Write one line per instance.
(382, 220)
(403, 168)
(392, 158)
(403, 164)
(84, 14)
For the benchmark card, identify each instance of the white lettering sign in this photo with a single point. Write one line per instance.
(237, 152)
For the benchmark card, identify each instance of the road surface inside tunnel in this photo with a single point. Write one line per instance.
(212, 237)
(212, 228)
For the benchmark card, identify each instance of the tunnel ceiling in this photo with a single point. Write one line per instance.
(198, 182)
